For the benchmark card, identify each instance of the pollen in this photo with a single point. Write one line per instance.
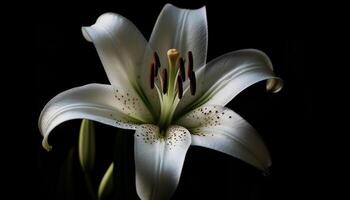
(193, 83)
(190, 63)
(156, 60)
(152, 76)
(179, 87)
(182, 69)
(156, 63)
(165, 81)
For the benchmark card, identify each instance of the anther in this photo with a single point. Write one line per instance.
(155, 72)
(156, 63)
(156, 60)
(190, 63)
(182, 69)
(193, 83)
(165, 81)
(179, 86)
(151, 76)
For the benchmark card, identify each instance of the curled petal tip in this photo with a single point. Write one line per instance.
(85, 33)
(274, 85)
(46, 145)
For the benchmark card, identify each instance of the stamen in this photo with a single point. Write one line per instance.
(165, 81)
(190, 63)
(182, 69)
(179, 86)
(151, 77)
(193, 83)
(156, 59)
(156, 63)
(155, 72)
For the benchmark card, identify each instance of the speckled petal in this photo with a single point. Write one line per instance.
(159, 161)
(222, 129)
(125, 55)
(98, 102)
(226, 76)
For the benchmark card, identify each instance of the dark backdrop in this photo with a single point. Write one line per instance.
(63, 59)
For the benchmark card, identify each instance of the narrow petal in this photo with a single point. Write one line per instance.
(159, 161)
(102, 103)
(124, 53)
(223, 78)
(221, 129)
(182, 29)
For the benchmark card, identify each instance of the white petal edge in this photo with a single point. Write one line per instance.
(159, 161)
(182, 29)
(124, 53)
(221, 129)
(95, 102)
(226, 76)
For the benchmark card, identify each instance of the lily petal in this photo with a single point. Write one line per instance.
(226, 76)
(222, 129)
(98, 102)
(182, 29)
(159, 161)
(125, 54)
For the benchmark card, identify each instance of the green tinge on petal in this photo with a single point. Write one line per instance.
(106, 184)
(87, 145)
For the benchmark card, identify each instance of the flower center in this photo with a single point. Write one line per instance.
(169, 83)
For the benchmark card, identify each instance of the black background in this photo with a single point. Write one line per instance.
(64, 59)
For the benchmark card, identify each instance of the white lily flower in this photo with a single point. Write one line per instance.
(171, 106)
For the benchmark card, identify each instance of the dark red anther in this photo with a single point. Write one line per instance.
(190, 63)
(165, 81)
(155, 71)
(189, 72)
(179, 86)
(156, 60)
(156, 63)
(151, 76)
(193, 83)
(182, 69)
